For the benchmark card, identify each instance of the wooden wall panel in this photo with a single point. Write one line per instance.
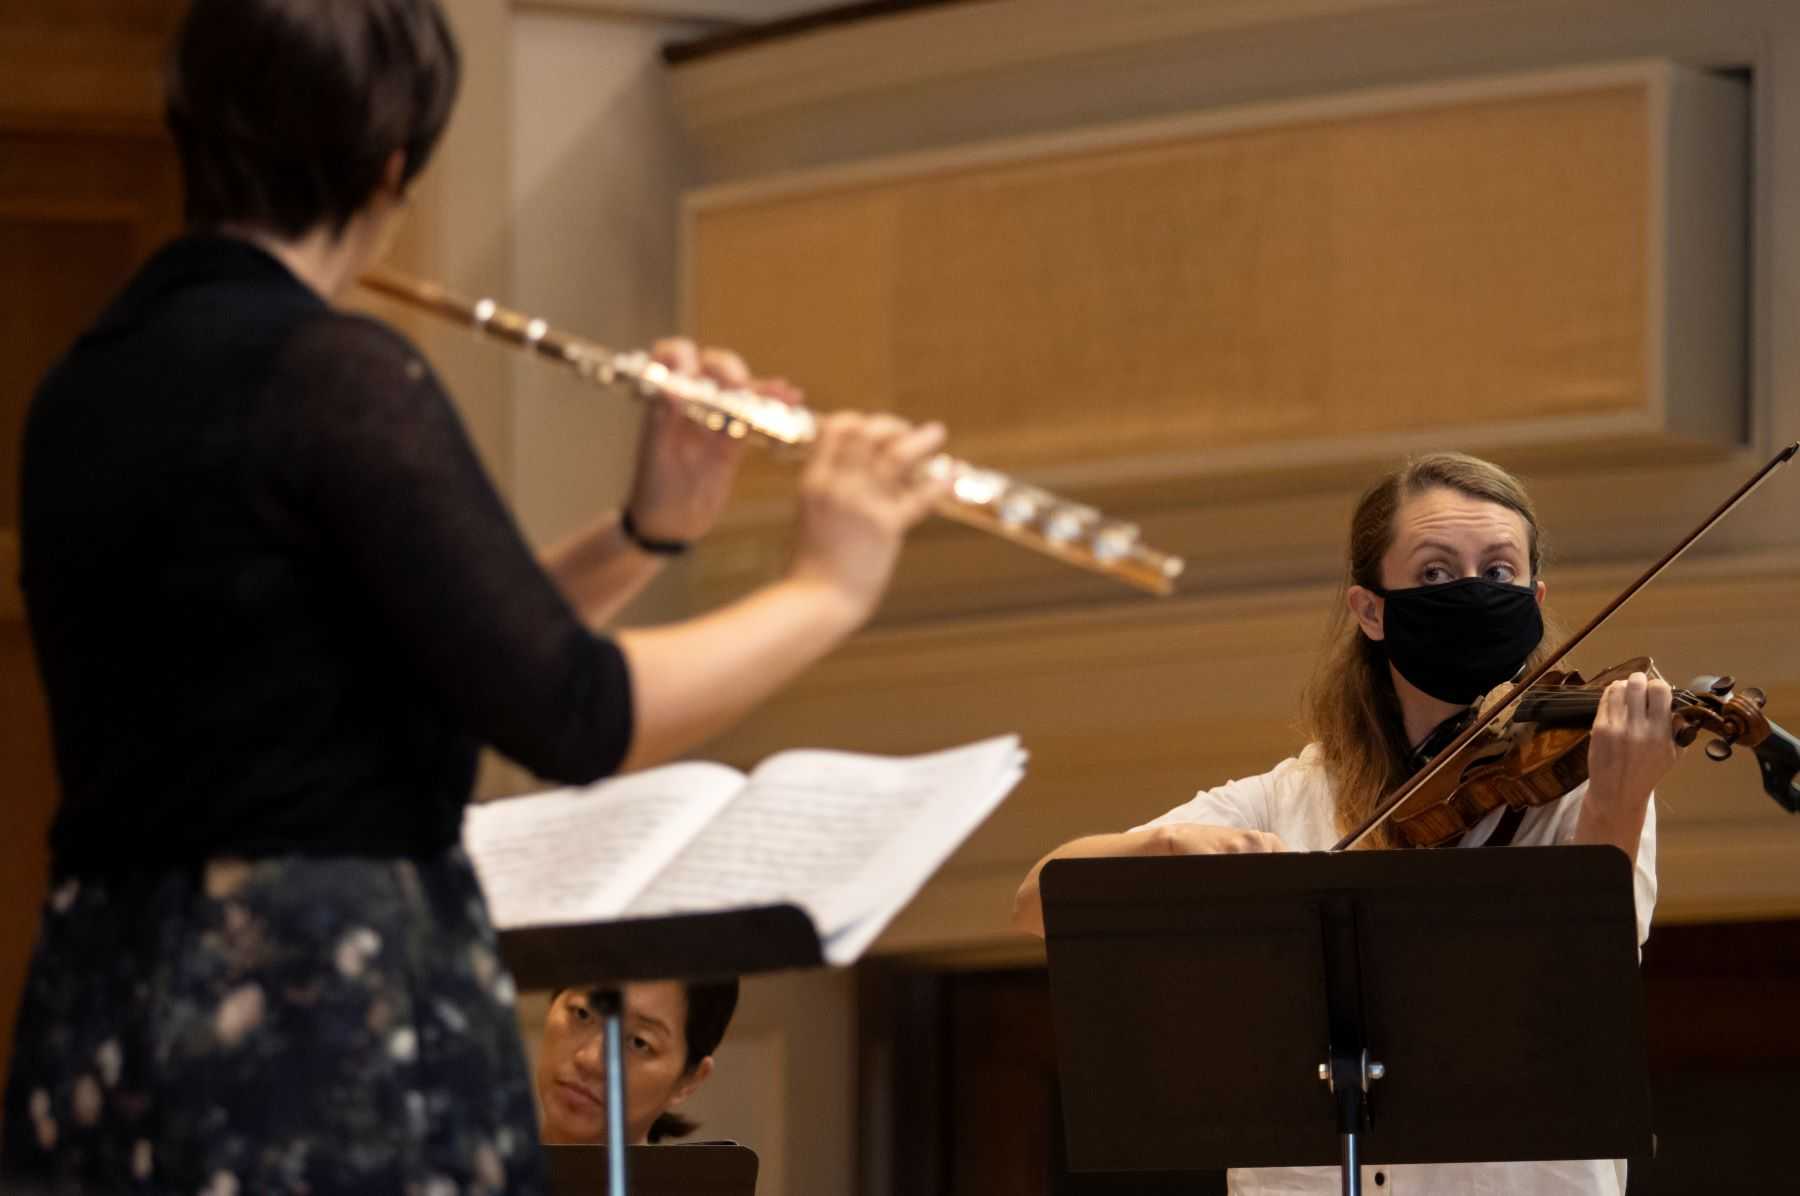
(68, 268)
(1222, 318)
(1309, 278)
(88, 188)
(85, 63)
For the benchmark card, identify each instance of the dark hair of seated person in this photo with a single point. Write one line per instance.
(709, 1010)
(286, 112)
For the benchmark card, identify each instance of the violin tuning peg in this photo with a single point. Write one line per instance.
(1719, 749)
(1723, 685)
(1757, 696)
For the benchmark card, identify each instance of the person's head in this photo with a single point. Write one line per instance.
(294, 116)
(670, 1030)
(1440, 602)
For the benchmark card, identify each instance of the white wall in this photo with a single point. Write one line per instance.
(598, 160)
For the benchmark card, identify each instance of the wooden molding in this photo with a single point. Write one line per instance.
(98, 79)
(12, 598)
(943, 43)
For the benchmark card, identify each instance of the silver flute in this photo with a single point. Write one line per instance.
(1071, 532)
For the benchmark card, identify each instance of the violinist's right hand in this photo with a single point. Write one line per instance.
(1190, 838)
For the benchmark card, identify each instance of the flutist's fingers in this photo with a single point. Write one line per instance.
(906, 460)
(724, 367)
(866, 445)
(779, 388)
(863, 488)
(685, 470)
(678, 353)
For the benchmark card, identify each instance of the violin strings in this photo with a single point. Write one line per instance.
(1575, 700)
(1555, 703)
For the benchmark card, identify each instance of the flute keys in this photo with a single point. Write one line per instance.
(1069, 524)
(1021, 505)
(1115, 542)
(977, 487)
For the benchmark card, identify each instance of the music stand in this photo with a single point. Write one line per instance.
(709, 1169)
(604, 955)
(1308, 1009)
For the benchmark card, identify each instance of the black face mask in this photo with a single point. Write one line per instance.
(1458, 640)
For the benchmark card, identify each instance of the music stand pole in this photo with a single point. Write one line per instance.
(1347, 1070)
(600, 957)
(612, 1014)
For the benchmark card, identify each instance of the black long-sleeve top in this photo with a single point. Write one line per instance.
(276, 603)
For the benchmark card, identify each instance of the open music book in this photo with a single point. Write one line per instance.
(848, 838)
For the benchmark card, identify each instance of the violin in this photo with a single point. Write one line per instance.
(1529, 746)
(1537, 750)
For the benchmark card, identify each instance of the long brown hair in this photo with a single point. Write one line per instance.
(1350, 708)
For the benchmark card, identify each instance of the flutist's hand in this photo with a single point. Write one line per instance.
(862, 490)
(684, 471)
(864, 487)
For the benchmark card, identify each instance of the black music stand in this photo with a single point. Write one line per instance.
(681, 947)
(1309, 1009)
(708, 1169)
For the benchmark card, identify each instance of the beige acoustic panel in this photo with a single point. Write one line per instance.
(1480, 264)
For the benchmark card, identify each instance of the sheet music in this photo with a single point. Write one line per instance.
(897, 877)
(831, 832)
(579, 855)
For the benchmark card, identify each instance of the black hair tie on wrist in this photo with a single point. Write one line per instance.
(653, 547)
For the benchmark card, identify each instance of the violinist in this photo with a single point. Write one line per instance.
(1442, 603)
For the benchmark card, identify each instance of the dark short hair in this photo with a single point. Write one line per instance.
(285, 112)
(709, 1010)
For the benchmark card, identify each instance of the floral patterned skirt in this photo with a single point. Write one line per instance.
(291, 1025)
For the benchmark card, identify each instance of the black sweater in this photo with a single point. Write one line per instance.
(276, 603)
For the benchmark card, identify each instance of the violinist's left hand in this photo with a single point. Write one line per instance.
(1633, 747)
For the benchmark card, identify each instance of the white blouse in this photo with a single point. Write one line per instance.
(1294, 801)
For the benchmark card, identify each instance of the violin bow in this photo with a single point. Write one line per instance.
(1437, 763)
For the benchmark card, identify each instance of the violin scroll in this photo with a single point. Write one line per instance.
(1735, 717)
(1715, 705)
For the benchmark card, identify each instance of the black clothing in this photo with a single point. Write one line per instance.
(275, 600)
(338, 1027)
